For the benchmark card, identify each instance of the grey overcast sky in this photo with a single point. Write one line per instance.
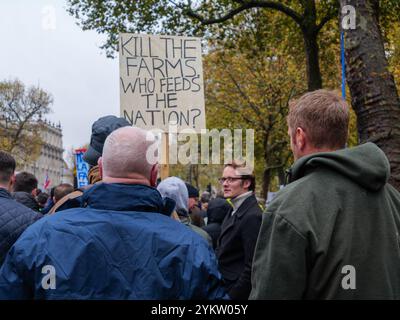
(42, 45)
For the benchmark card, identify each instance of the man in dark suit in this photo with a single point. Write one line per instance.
(239, 231)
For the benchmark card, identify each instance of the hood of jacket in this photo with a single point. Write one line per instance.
(26, 199)
(366, 165)
(175, 189)
(126, 197)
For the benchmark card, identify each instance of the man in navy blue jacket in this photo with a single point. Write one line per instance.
(14, 217)
(121, 243)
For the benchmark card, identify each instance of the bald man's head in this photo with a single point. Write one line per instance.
(124, 155)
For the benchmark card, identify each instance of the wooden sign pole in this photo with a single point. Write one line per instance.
(164, 155)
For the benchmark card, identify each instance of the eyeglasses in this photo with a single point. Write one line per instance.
(229, 179)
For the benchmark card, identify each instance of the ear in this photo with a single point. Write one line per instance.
(300, 138)
(100, 164)
(34, 192)
(11, 183)
(246, 184)
(153, 175)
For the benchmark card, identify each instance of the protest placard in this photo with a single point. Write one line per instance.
(161, 81)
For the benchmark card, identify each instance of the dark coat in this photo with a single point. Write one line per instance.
(236, 245)
(14, 219)
(196, 216)
(216, 212)
(26, 199)
(332, 232)
(120, 245)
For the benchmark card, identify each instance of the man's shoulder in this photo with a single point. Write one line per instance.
(251, 206)
(21, 195)
(148, 224)
(26, 199)
(307, 202)
(80, 228)
(15, 218)
(201, 232)
(308, 186)
(12, 209)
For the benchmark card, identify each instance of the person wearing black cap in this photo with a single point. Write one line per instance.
(194, 211)
(100, 131)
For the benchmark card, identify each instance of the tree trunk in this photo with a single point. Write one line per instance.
(372, 87)
(267, 171)
(266, 180)
(314, 79)
(196, 175)
(281, 176)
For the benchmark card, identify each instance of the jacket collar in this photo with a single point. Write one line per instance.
(366, 165)
(5, 194)
(238, 201)
(24, 196)
(249, 201)
(126, 197)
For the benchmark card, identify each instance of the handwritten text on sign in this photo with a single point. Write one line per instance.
(161, 81)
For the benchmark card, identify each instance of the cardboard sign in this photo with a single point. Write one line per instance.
(161, 82)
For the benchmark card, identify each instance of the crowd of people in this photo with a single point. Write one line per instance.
(331, 233)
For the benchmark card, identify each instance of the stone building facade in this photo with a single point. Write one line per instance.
(50, 161)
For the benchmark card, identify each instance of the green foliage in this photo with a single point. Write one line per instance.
(392, 47)
(114, 16)
(216, 19)
(255, 57)
(249, 83)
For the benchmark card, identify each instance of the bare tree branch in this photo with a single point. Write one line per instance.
(332, 13)
(245, 5)
(325, 20)
(232, 109)
(252, 105)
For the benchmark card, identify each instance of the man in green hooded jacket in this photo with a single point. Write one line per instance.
(333, 231)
